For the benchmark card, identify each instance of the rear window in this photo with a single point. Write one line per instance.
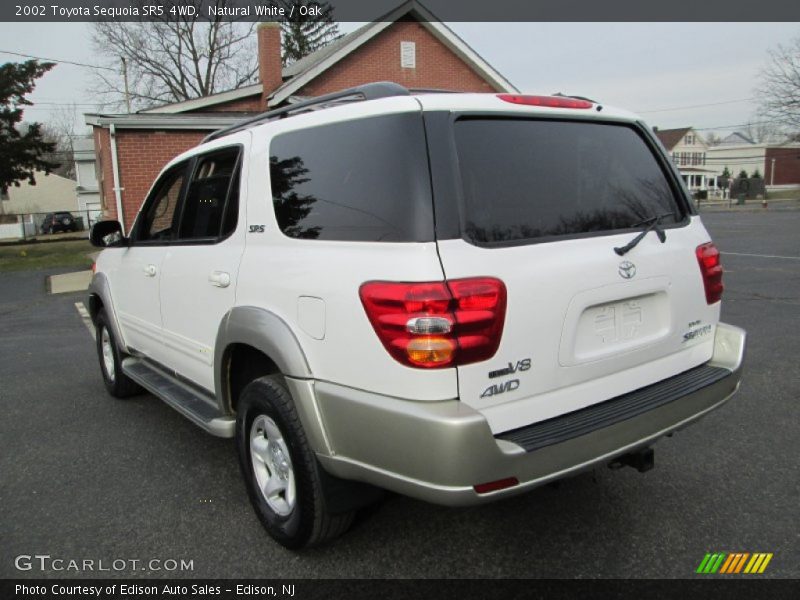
(365, 180)
(528, 180)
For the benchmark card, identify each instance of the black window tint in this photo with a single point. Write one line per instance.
(208, 195)
(364, 180)
(527, 179)
(159, 213)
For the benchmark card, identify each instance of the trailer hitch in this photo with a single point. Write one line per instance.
(642, 460)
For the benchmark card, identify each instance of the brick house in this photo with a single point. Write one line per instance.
(406, 46)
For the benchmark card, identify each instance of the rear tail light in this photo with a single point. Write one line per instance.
(549, 101)
(711, 270)
(437, 324)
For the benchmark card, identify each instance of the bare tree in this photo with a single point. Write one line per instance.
(781, 84)
(60, 129)
(762, 131)
(712, 139)
(174, 58)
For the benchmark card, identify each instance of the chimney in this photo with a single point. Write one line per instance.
(269, 58)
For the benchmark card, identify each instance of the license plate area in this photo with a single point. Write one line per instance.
(600, 330)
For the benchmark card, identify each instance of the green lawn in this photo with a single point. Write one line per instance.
(783, 194)
(44, 255)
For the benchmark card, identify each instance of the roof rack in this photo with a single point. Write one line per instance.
(368, 91)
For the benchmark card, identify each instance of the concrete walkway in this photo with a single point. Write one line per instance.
(69, 282)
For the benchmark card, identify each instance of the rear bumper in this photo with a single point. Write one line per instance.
(437, 451)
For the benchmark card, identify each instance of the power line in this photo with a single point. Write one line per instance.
(57, 60)
(696, 106)
(68, 104)
(732, 126)
(751, 124)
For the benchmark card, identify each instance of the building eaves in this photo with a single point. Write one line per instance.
(206, 101)
(195, 121)
(670, 137)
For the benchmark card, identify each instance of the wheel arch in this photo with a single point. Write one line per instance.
(252, 342)
(99, 298)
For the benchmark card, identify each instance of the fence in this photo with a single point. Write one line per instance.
(45, 226)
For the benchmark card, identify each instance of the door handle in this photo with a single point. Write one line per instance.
(150, 270)
(219, 279)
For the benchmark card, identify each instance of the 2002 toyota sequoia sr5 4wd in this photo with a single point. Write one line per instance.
(457, 297)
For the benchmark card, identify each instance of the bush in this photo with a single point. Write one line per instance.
(743, 174)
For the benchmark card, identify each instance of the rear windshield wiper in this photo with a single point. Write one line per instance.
(653, 224)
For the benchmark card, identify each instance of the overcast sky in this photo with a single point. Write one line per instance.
(674, 74)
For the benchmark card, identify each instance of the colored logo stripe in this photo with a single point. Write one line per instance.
(758, 563)
(711, 563)
(734, 562)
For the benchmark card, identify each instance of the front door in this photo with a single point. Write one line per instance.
(136, 280)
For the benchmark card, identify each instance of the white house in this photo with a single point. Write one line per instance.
(688, 150)
(737, 157)
(51, 193)
(777, 163)
(86, 173)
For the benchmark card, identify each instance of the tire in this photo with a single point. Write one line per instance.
(117, 383)
(295, 515)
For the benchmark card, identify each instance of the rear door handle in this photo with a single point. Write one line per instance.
(219, 279)
(150, 270)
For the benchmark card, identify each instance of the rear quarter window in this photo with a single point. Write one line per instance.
(524, 181)
(365, 180)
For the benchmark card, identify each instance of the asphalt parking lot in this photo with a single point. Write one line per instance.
(85, 476)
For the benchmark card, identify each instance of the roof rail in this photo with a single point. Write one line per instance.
(368, 91)
(422, 90)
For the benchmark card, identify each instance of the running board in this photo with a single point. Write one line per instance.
(194, 404)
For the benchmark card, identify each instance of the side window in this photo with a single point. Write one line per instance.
(365, 180)
(156, 223)
(211, 207)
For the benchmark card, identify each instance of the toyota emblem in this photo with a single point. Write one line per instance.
(627, 269)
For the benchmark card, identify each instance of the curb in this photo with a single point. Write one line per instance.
(68, 282)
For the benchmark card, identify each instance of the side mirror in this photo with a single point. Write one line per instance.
(107, 233)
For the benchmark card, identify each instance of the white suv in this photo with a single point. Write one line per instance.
(457, 297)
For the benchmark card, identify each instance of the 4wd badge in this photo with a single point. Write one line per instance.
(500, 388)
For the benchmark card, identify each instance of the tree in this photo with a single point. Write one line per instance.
(726, 172)
(742, 174)
(302, 36)
(23, 150)
(762, 131)
(756, 174)
(174, 57)
(781, 84)
(60, 130)
(712, 139)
